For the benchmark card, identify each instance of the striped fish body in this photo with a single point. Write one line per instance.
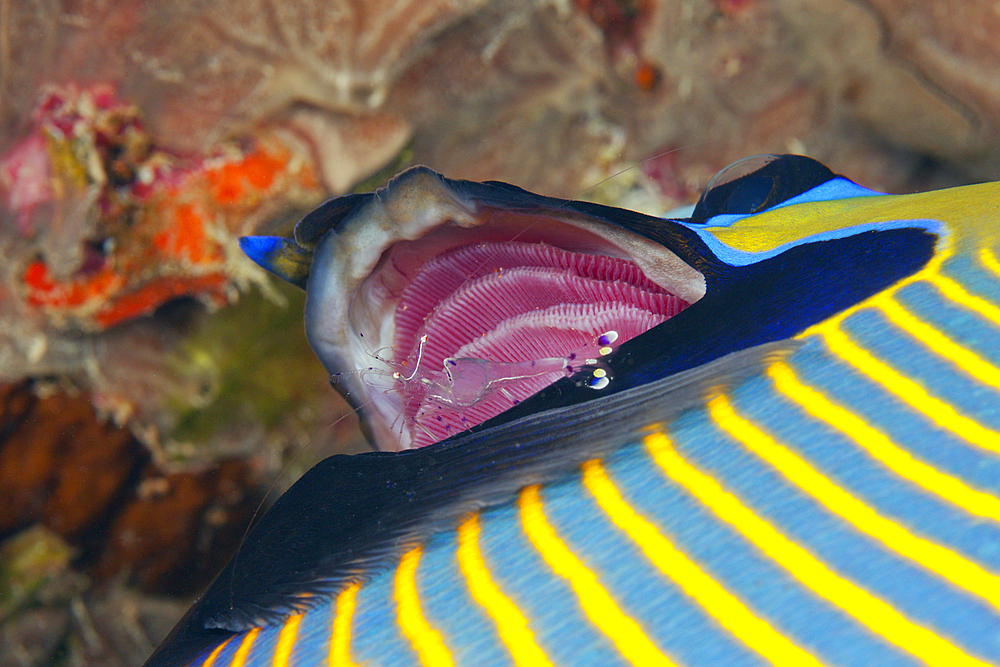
(834, 500)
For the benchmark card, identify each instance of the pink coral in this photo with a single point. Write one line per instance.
(26, 176)
(131, 225)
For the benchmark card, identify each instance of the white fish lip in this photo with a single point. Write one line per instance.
(359, 269)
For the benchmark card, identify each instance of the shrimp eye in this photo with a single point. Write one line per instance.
(757, 183)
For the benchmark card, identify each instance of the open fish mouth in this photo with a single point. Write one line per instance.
(437, 305)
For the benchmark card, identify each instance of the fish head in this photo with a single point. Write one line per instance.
(440, 306)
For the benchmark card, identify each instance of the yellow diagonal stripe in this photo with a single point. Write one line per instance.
(240, 657)
(511, 624)
(716, 600)
(941, 413)
(869, 610)
(989, 260)
(340, 634)
(210, 660)
(952, 290)
(426, 641)
(597, 604)
(936, 558)
(881, 447)
(941, 344)
(286, 641)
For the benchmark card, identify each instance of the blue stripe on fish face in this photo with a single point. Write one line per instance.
(823, 498)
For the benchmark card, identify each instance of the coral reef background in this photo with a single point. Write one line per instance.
(155, 386)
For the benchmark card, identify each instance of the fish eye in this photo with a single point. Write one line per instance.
(757, 183)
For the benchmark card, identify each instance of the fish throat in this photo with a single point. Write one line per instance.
(485, 325)
(434, 322)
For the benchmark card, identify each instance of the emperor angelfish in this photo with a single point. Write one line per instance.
(766, 433)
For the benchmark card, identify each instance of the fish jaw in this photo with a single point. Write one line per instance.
(347, 316)
(412, 392)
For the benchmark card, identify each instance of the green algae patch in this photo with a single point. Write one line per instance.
(255, 366)
(29, 561)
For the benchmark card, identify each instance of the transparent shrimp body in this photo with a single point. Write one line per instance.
(464, 382)
(464, 386)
